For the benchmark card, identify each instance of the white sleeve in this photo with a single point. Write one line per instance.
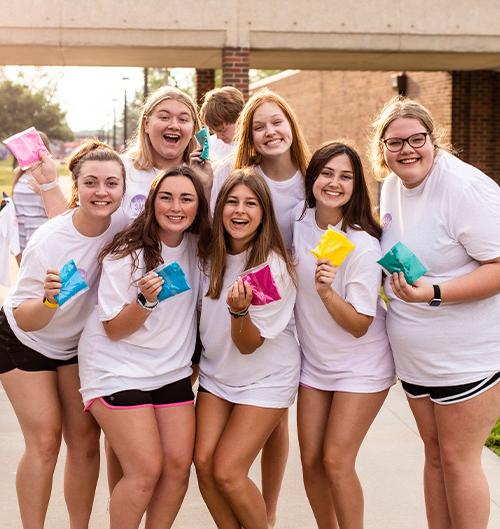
(31, 276)
(115, 287)
(272, 319)
(363, 282)
(476, 220)
(221, 172)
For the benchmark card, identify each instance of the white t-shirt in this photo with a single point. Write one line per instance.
(332, 359)
(286, 195)
(9, 240)
(160, 351)
(450, 221)
(267, 377)
(219, 150)
(51, 246)
(137, 187)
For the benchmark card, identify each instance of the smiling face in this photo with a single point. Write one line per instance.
(176, 206)
(170, 127)
(241, 217)
(271, 132)
(410, 164)
(100, 187)
(333, 189)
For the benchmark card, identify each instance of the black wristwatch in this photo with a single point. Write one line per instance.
(144, 303)
(436, 299)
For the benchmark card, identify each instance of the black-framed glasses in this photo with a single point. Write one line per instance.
(415, 141)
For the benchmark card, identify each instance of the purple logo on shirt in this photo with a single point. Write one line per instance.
(386, 221)
(83, 273)
(137, 204)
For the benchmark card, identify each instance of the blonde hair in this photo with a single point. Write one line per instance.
(401, 107)
(91, 150)
(141, 150)
(221, 106)
(246, 153)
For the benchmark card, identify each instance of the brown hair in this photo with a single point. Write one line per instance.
(141, 150)
(401, 107)
(267, 238)
(91, 150)
(143, 233)
(246, 154)
(221, 105)
(357, 213)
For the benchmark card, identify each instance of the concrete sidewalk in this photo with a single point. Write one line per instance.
(390, 468)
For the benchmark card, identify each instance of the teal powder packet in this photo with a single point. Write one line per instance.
(202, 137)
(401, 259)
(72, 281)
(174, 280)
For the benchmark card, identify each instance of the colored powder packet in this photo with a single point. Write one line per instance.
(26, 147)
(174, 280)
(202, 137)
(73, 283)
(333, 246)
(401, 259)
(263, 286)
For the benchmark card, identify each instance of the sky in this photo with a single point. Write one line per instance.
(87, 93)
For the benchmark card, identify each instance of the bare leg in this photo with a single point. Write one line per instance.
(273, 464)
(177, 427)
(244, 435)
(436, 505)
(462, 430)
(134, 436)
(212, 415)
(351, 415)
(113, 467)
(313, 408)
(81, 434)
(35, 400)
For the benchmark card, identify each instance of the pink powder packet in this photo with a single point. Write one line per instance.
(26, 146)
(262, 283)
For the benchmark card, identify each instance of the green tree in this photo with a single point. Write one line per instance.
(22, 107)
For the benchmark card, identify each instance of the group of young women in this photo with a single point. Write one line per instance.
(128, 351)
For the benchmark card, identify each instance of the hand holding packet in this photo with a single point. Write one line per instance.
(262, 283)
(72, 282)
(174, 280)
(202, 137)
(401, 259)
(333, 246)
(26, 147)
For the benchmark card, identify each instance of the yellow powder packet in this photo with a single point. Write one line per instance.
(333, 246)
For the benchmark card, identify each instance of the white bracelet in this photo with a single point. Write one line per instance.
(49, 185)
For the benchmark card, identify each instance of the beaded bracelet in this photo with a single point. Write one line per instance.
(237, 314)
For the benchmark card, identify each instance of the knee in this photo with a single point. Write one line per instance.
(203, 463)
(177, 468)
(85, 445)
(337, 466)
(45, 446)
(145, 477)
(433, 453)
(228, 478)
(312, 466)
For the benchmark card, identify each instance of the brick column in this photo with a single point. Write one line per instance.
(205, 81)
(475, 118)
(235, 65)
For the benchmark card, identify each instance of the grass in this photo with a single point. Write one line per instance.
(493, 441)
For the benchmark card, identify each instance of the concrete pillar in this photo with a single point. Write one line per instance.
(476, 119)
(205, 81)
(235, 66)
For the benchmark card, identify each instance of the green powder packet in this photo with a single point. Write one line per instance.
(401, 259)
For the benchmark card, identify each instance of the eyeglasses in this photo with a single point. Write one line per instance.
(415, 141)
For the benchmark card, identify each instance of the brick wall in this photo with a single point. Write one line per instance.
(205, 81)
(235, 65)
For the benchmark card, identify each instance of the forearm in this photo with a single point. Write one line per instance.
(246, 336)
(482, 283)
(130, 319)
(54, 201)
(345, 314)
(33, 315)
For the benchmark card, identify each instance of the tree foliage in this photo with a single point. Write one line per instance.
(22, 107)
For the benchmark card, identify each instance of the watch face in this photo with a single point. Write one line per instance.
(435, 302)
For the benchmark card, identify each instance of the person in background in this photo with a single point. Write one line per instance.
(443, 328)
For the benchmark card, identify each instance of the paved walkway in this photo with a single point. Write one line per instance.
(389, 466)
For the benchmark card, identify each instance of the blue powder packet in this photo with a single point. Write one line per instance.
(401, 259)
(72, 283)
(175, 280)
(202, 137)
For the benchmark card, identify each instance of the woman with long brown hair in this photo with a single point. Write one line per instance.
(250, 363)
